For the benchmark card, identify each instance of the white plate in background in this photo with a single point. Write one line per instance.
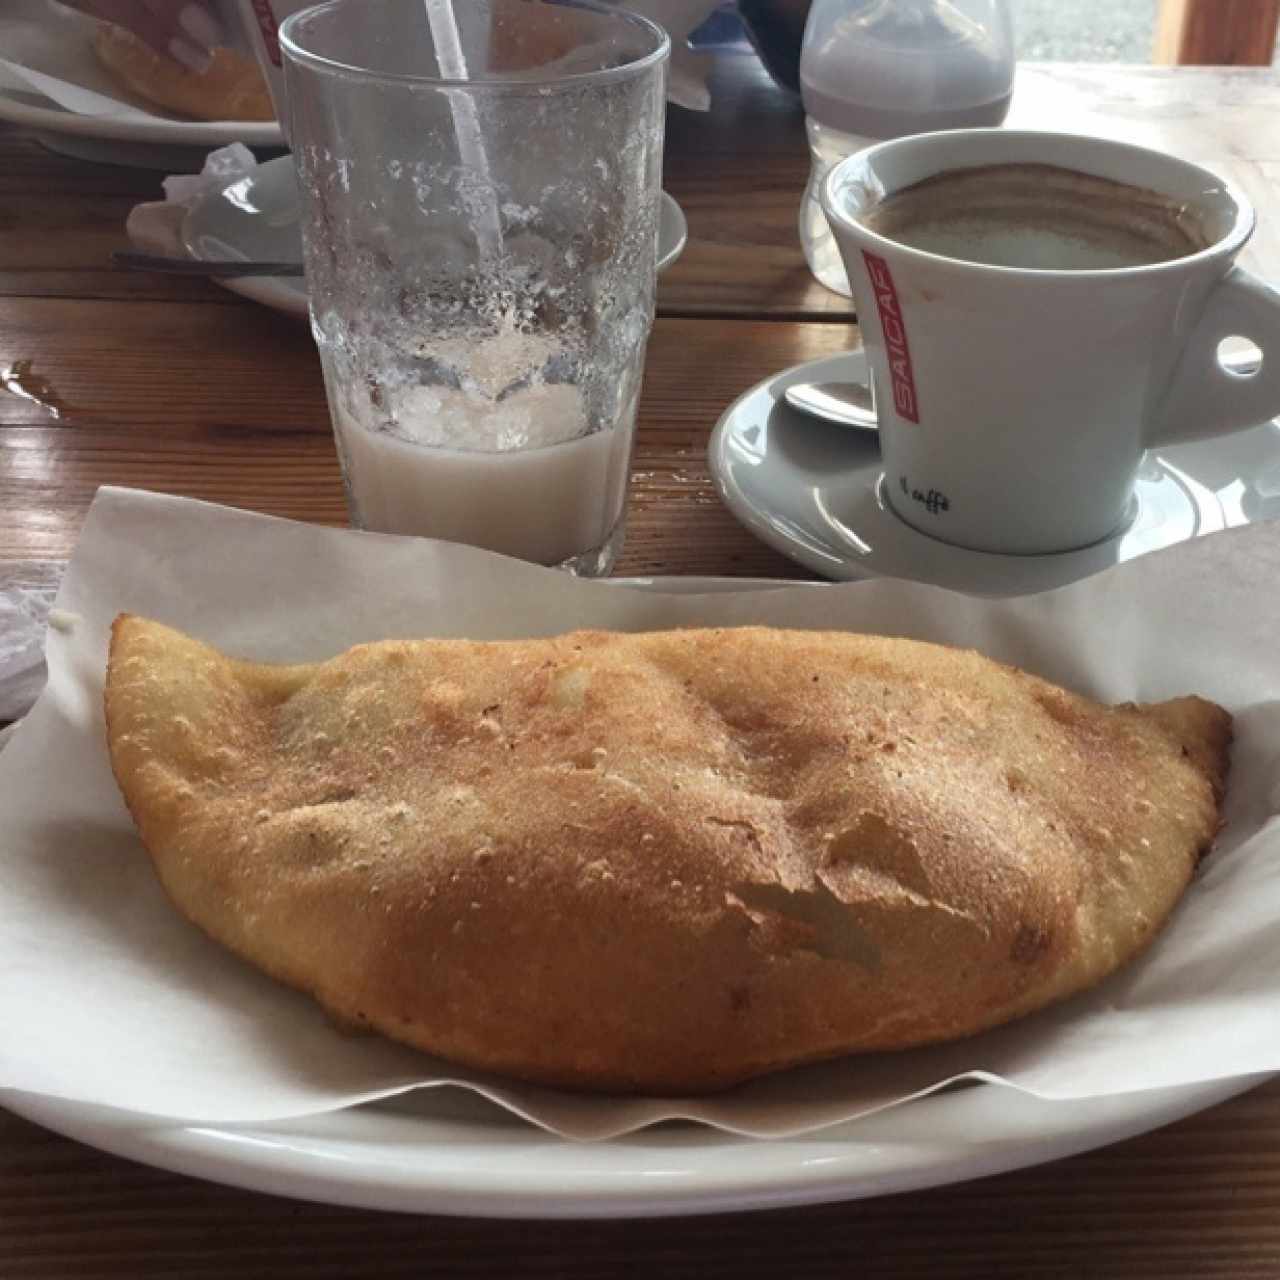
(147, 142)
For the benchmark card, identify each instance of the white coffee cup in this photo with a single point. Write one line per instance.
(1015, 402)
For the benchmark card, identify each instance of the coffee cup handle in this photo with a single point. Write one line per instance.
(1204, 397)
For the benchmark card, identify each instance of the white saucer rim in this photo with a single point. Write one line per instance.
(289, 296)
(681, 237)
(965, 564)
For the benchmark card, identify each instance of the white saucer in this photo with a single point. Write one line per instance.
(813, 491)
(256, 217)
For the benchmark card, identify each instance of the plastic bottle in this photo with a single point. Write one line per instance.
(876, 69)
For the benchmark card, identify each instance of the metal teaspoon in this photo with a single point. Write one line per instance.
(848, 404)
(203, 266)
(845, 403)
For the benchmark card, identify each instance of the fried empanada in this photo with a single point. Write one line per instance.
(660, 862)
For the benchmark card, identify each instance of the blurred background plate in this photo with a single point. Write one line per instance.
(256, 218)
(153, 142)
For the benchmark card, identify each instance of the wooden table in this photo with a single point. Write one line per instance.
(179, 386)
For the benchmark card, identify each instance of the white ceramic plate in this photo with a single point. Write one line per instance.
(153, 142)
(446, 1151)
(256, 217)
(813, 491)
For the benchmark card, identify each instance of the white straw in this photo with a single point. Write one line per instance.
(466, 124)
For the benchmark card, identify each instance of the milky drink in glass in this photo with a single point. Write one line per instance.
(549, 500)
(481, 260)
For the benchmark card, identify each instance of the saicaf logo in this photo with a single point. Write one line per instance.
(267, 21)
(895, 338)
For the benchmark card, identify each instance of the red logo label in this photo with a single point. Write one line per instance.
(270, 37)
(895, 338)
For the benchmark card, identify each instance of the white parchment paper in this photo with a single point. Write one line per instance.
(47, 49)
(107, 996)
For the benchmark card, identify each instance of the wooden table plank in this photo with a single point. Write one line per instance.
(1238, 33)
(737, 171)
(60, 219)
(112, 394)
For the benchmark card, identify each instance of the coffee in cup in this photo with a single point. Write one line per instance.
(1038, 216)
(1038, 309)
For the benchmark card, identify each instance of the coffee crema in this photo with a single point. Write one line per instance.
(1038, 216)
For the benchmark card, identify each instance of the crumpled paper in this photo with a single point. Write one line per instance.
(26, 596)
(92, 953)
(155, 226)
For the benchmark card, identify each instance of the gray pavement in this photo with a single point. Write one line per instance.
(1084, 30)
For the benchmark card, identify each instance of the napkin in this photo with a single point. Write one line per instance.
(107, 996)
(155, 226)
(687, 75)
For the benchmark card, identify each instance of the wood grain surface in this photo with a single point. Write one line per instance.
(1239, 33)
(250, 427)
(178, 385)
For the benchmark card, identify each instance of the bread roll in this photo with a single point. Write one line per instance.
(231, 89)
(660, 862)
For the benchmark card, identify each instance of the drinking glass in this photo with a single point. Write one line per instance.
(480, 185)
